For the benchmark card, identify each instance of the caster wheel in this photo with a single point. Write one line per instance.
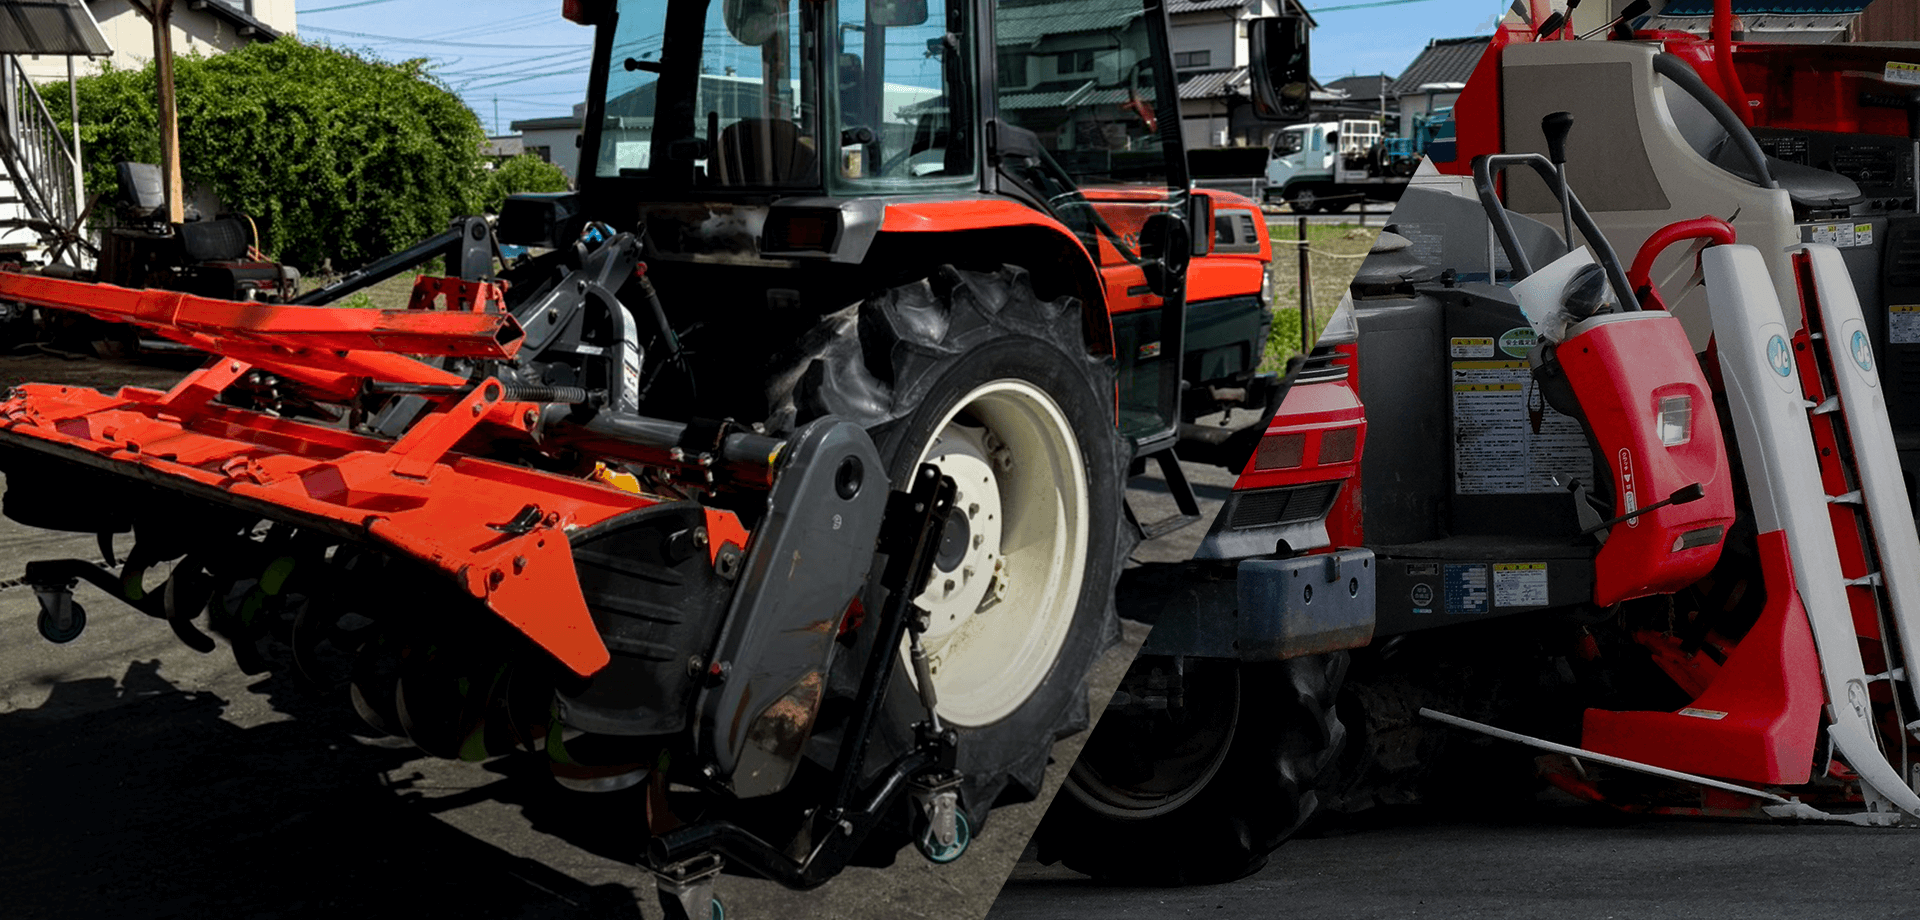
(935, 853)
(674, 911)
(51, 630)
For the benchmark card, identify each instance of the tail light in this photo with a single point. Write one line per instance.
(1280, 451)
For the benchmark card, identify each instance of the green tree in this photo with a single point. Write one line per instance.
(524, 173)
(336, 155)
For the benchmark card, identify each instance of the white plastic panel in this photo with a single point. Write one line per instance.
(1865, 405)
(1782, 471)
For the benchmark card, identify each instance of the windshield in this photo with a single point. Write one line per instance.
(1287, 143)
(713, 92)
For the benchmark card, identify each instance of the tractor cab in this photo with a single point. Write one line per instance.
(784, 150)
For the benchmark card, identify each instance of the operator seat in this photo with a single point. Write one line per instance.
(763, 152)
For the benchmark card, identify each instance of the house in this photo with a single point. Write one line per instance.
(1208, 39)
(1435, 78)
(204, 26)
(555, 139)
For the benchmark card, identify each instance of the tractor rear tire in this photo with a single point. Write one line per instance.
(1202, 794)
(974, 372)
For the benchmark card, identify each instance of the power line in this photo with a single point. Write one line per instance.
(343, 6)
(1360, 6)
(582, 46)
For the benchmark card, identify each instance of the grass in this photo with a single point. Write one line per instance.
(1333, 258)
(391, 294)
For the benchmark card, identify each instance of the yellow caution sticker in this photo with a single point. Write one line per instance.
(1711, 714)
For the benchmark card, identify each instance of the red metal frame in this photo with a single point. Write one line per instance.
(420, 496)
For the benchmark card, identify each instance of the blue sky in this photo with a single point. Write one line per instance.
(515, 59)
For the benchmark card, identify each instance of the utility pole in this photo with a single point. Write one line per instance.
(160, 13)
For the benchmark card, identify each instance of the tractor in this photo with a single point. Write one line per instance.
(783, 485)
(1596, 480)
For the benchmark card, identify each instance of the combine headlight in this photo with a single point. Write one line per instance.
(1676, 420)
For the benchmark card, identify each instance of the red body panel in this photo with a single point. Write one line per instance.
(1220, 275)
(1621, 370)
(1759, 719)
(411, 495)
(1311, 411)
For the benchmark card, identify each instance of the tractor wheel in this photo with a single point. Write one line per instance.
(973, 372)
(1201, 792)
(1305, 199)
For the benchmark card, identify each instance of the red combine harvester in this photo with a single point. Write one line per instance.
(1646, 515)
(785, 487)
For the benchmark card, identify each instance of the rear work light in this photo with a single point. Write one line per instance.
(1337, 446)
(1676, 420)
(1280, 451)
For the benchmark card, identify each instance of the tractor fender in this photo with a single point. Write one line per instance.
(1050, 252)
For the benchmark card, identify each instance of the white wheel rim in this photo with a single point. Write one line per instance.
(1003, 604)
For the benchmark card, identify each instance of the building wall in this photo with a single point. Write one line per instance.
(1214, 33)
(131, 35)
(559, 143)
(1888, 21)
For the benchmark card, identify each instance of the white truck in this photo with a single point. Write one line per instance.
(1329, 165)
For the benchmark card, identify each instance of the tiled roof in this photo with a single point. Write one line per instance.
(1213, 84)
(1445, 60)
(1363, 86)
(1026, 25)
(1200, 6)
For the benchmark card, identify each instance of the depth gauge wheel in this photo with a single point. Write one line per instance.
(973, 372)
(1203, 790)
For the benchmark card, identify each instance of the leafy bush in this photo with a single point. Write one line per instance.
(524, 173)
(338, 156)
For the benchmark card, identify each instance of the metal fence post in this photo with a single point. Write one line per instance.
(1306, 285)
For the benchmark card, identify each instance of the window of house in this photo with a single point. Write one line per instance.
(1193, 58)
(1080, 61)
(1013, 68)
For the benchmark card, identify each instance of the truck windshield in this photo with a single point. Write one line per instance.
(1286, 143)
(713, 92)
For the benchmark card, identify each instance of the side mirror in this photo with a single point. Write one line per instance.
(753, 22)
(1166, 245)
(1200, 222)
(1282, 82)
(896, 13)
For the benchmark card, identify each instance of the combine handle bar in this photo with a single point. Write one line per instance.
(1485, 165)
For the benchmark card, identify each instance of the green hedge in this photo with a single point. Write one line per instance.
(339, 156)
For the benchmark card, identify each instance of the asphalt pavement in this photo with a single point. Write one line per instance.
(1556, 860)
(140, 779)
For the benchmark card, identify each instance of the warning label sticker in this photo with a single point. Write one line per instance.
(1466, 588)
(1520, 584)
(1506, 439)
(1840, 236)
(1473, 348)
(1902, 72)
(1903, 323)
(1711, 714)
